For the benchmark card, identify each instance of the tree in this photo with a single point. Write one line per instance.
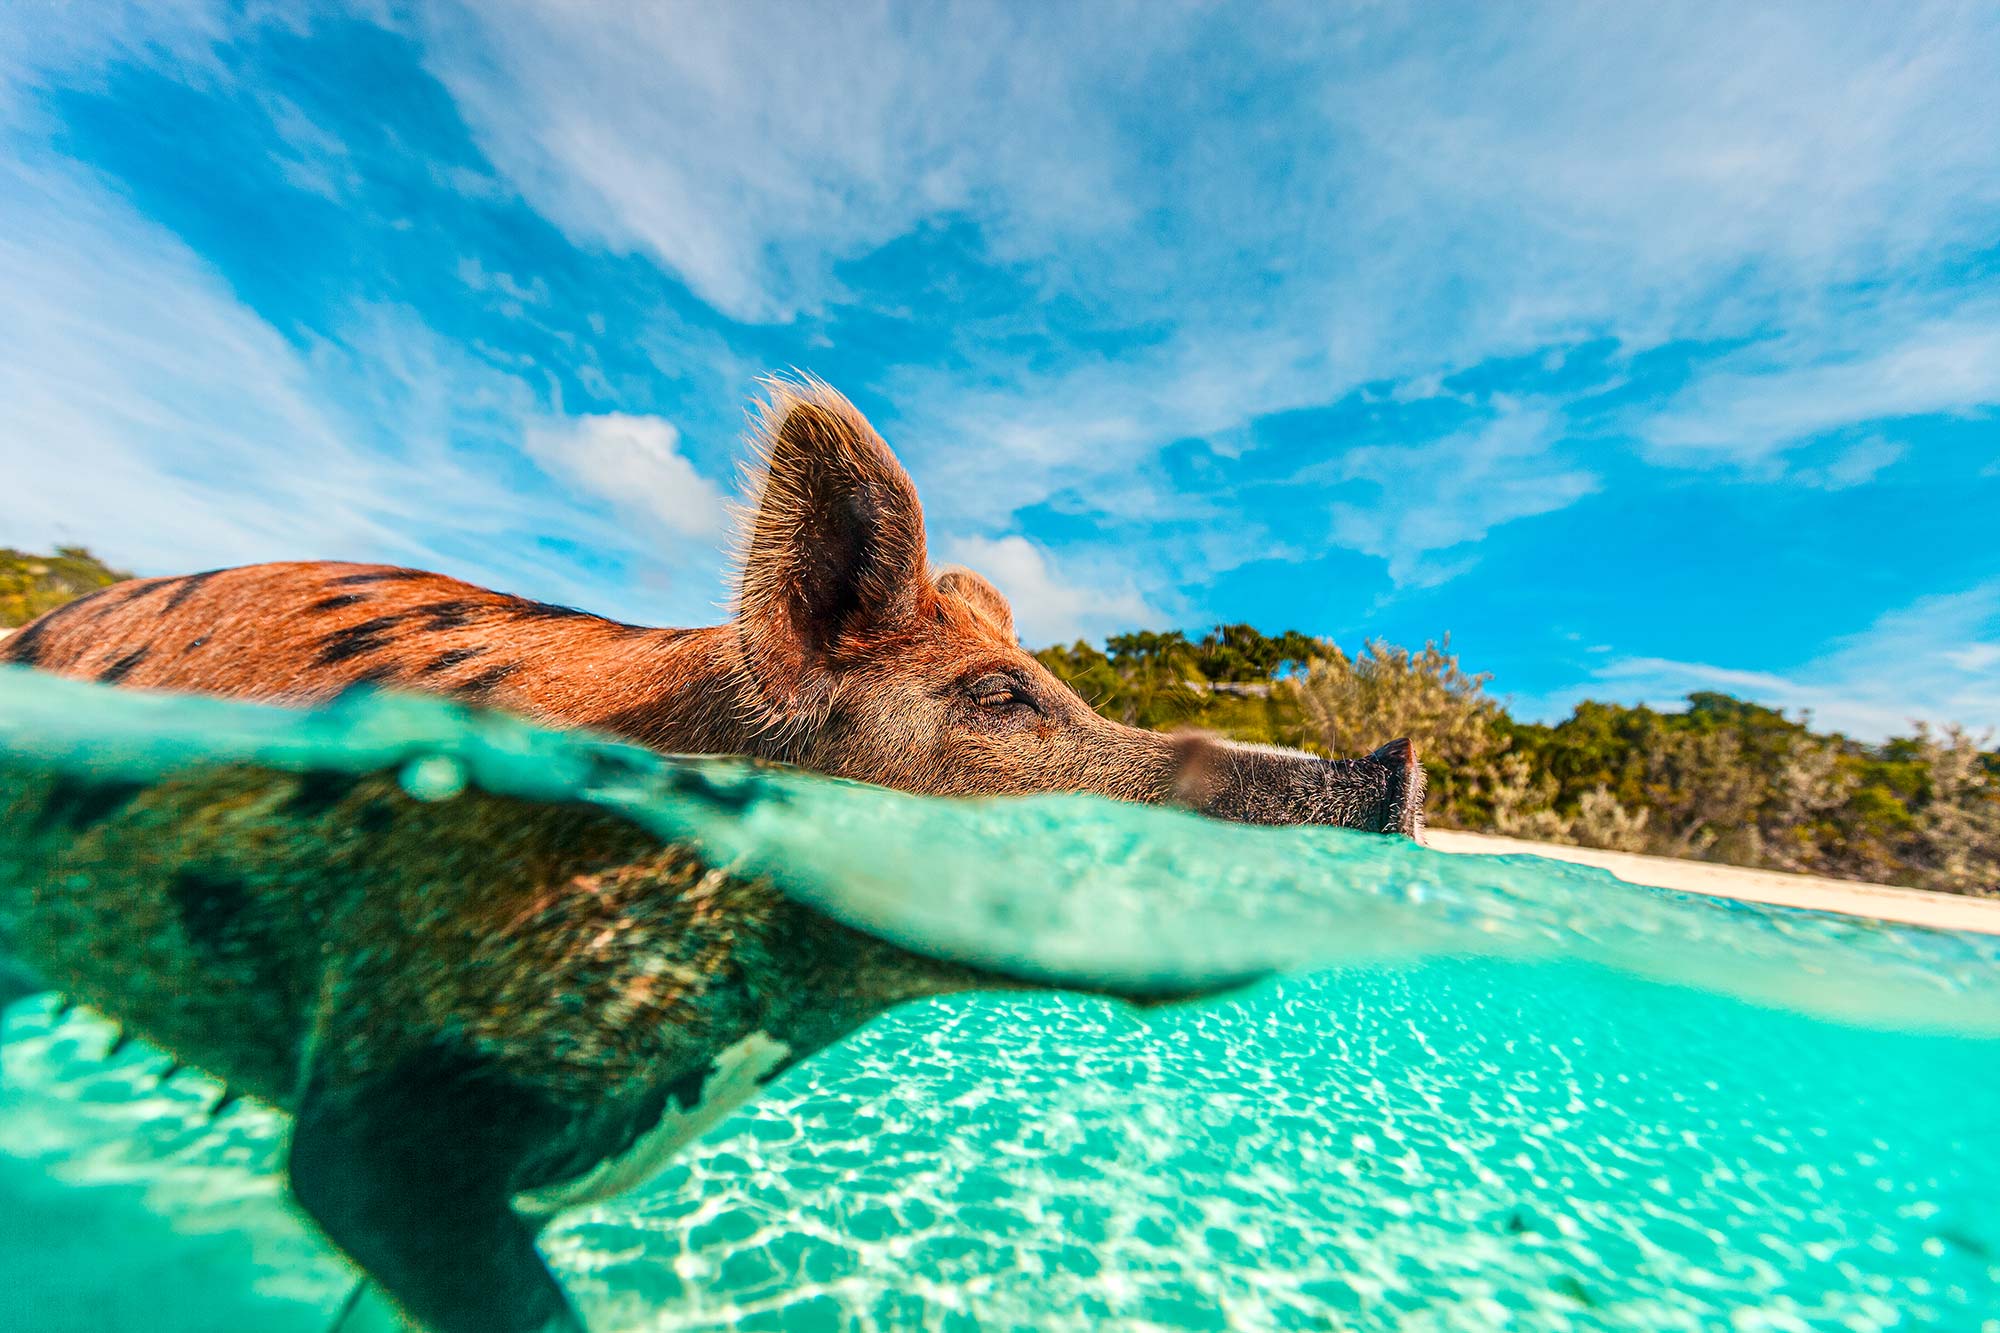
(1352, 705)
(1957, 828)
(33, 584)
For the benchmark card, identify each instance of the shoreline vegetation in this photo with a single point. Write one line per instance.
(33, 584)
(1725, 780)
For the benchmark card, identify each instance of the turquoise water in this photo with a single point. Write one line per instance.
(1482, 1094)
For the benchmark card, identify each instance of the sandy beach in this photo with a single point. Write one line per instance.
(1941, 911)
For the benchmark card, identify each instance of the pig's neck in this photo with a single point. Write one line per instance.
(680, 691)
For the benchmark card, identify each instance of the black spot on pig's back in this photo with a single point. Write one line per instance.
(215, 908)
(122, 668)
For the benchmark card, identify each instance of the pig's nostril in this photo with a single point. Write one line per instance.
(1403, 811)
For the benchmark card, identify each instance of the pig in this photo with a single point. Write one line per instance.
(846, 653)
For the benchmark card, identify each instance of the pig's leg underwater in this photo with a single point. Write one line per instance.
(411, 1175)
(412, 981)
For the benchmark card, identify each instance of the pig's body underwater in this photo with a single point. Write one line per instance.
(479, 1011)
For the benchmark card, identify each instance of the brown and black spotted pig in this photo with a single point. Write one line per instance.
(847, 654)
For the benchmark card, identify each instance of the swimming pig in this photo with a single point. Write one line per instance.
(846, 654)
(478, 1011)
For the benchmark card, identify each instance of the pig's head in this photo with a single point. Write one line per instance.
(858, 659)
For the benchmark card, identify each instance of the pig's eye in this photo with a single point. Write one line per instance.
(997, 693)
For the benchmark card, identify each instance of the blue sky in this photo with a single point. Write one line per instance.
(1642, 351)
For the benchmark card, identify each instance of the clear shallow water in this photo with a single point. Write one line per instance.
(1496, 1092)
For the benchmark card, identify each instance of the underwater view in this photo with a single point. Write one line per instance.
(1429, 1091)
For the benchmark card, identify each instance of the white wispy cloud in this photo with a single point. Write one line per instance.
(1932, 660)
(1051, 604)
(1420, 200)
(635, 463)
(751, 152)
(1436, 497)
(80, 42)
(1764, 399)
(1855, 465)
(142, 406)
(1509, 180)
(144, 411)
(514, 295)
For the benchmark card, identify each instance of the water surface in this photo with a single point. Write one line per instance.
(1477, 1092)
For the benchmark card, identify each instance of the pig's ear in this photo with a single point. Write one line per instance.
(985, 599)
(833, 546)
